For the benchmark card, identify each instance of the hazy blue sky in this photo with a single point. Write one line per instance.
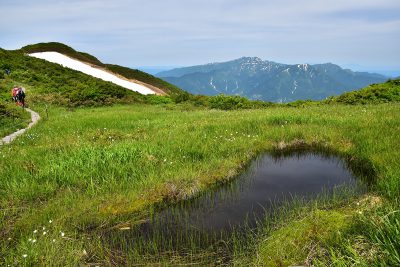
(186, 32)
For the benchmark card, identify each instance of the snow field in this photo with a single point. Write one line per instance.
(74, 64)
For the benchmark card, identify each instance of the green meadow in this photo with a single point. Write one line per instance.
(83, 171)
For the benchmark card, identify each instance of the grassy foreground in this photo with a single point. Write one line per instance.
(86, 170)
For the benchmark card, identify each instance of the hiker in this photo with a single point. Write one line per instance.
(21, 96)
(18, 96)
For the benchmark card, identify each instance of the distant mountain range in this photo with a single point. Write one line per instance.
(255, 78)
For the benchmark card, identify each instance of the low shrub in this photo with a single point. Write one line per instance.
(225, 102)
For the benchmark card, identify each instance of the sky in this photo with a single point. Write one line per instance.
(355, 33)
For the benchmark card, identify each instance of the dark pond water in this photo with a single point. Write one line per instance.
(266, 183)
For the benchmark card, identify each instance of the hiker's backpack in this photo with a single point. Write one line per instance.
(14, 93)
(20, 94)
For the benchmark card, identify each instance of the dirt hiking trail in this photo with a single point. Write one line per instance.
(35, 117)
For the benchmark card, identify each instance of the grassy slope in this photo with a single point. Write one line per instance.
(63, 49)
(146, 78)
(373, 94)
(52, 84)
(94, 168)
(124, 71)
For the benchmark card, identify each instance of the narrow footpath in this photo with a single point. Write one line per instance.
(9, 138)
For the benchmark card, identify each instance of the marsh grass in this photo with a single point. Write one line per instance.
(160, 240)
(91, 169)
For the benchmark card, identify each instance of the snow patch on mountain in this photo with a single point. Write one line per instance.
(212, 84)
(295, 87)
(96, 72)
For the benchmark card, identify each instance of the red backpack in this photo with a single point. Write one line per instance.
(15, 91)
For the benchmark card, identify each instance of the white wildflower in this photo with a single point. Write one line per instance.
(24, 255)
(62, 234)
(50, 221)
(44, 233)
(34, 241)
(54, 240)
(35, 231)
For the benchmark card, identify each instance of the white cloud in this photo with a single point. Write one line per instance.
(169, 32)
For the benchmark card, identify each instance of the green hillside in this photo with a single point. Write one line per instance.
(51, 83)
(168, 88)
(386, 92)
(373, 94)
(124, 71)
(63, 49)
